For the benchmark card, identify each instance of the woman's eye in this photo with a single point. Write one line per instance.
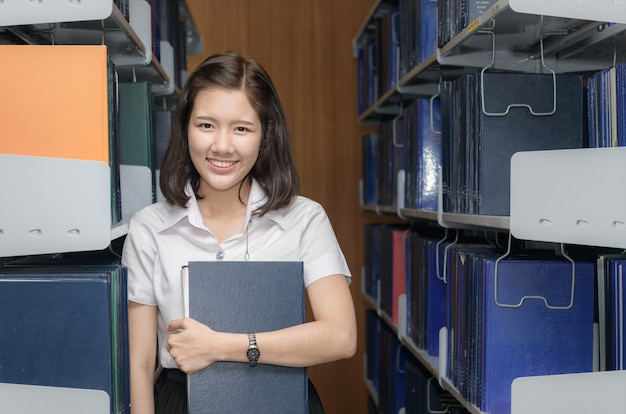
(241, 129)
(205, 126)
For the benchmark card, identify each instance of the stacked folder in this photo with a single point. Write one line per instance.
(137, 147)
(391, 372)
(401, 35)
(606, 107)
(369, 149)
(66, 326)
(426, 291)
(423, 394)
(392, 261)
(455, 15)
(515, 317)
(56, 118)
(422, 154)
(372, 252)
(612, 318)
(486, 119)
(373, 325)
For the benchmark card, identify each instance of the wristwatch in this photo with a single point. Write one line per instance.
(253, 352)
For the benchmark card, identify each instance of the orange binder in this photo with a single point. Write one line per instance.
(54, 102)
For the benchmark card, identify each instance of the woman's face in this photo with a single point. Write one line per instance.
(224, 138)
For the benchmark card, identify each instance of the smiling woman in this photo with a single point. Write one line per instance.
(232, 194)
(224, 141)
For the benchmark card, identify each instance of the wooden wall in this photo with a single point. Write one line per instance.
(306, 46)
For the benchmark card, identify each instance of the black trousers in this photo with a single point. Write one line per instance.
(170, 394)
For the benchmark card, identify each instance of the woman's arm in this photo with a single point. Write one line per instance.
(142, 326)
(331, 336)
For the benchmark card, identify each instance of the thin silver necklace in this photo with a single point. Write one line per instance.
(219, 256)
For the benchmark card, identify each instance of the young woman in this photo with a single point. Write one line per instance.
(232, 194)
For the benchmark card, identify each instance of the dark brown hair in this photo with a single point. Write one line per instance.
(274, 169)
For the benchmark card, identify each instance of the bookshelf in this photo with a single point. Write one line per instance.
(534, 37)
(138, 53)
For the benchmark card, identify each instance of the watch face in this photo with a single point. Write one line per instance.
(253, 354)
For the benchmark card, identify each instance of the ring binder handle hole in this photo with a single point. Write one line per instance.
(616, 225)
(36, 2)
(74, 232)
(582, 223)
(544, 222)
(35, 232)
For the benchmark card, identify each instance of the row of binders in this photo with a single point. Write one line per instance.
(93, 138)
(455, 15)
(475, 124)
(460, 143)
(403, 34)
(487, 315)
(401, 383)
(64, 322)
(606, 108)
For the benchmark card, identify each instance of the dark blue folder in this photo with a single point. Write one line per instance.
(436, 313)
(548, 332)
(519, 112)
(242, 297)
(423, 152)
(66, 326)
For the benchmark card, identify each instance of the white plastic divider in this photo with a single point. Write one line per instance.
(35, 399)
(572, 196)
(53, 205)
(16, 12)
(140, 19)
(583, 393)
(167, 62)
(613, 11)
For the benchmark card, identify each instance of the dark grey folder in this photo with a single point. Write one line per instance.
(244, 297)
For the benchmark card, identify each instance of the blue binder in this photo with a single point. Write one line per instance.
(65, 326)
(436, 313)
(242, 297)
(537, 320)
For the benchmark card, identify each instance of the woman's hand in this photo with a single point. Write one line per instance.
(192, 344)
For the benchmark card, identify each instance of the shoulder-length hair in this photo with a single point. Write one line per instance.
(274, 169)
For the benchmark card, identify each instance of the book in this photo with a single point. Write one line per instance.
(243, 297)
(422, 144)
(68, 324)
(476, 152)
(370, 149)
(515, 316)
(136, 139)
(391, 371)
(398, 272)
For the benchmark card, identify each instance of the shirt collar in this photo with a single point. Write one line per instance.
(192, 212)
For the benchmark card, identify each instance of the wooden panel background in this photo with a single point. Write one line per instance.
(306, 46)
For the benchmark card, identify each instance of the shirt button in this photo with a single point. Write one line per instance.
(219, 256)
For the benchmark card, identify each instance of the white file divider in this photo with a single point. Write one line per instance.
(15, 13)
(582, 393)
(574, 196)
(613, 11)
(36, 399)
(53, 205)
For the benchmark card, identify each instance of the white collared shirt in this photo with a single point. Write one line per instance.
(163, 238)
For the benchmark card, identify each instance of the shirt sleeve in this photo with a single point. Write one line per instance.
(321, 253)
(139, 256)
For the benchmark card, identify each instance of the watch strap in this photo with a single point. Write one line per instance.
(253, 352)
